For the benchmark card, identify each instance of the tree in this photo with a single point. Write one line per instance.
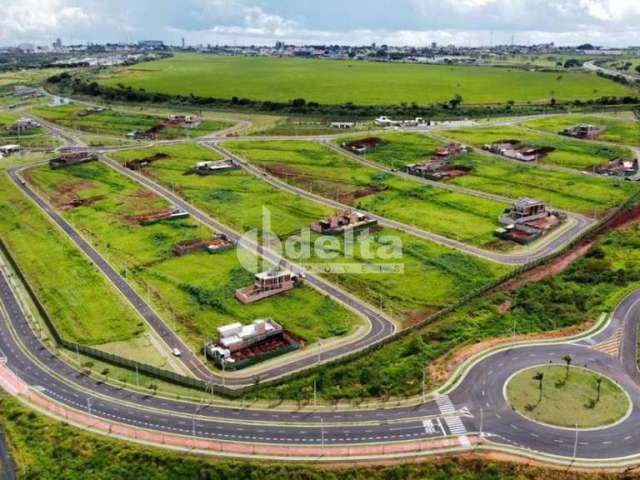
(456, 101)
(567, 359)
(539, 377)
(299, 103)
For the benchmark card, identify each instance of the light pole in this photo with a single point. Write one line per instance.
(89, 405)
(481, 423)
(322, 433)
(575, 445)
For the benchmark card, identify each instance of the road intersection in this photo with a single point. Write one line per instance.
(473, 413)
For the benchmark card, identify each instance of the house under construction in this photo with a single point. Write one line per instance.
(68, 159)
(584, 131)
(342, 222)
(515, 150)
(364, 145)
(439, 167)
(171, 213)
(217, 244)
(214, 167)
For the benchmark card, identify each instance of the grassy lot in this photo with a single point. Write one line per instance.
(321, 170)
(120, 123)
(333, 82)
(617, 131)
(82, 304)
(568, 397)
(197, 290)
(589, 287)
(567, 191)
(569, 153)
(237, 199)
(33, 138)
(49, 450)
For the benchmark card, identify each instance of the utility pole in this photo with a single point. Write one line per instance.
(78, 354)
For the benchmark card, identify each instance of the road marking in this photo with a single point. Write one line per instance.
(429, 427)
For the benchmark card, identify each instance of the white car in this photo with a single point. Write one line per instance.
(176, 352)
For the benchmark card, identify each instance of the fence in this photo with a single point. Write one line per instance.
(190, 382)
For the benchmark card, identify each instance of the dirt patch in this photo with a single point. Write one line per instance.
(442, 369)
(81, 202)
(416, 316)
(67, 196)
(554, 268)
(505, 307)
(351, 197)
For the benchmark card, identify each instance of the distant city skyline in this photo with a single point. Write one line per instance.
(611, 23)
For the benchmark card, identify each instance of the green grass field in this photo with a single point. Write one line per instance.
(81, 302)
(237, 199)
(120, 123)
(617, 131)
(197, 290)
(33, 138)
(564, 190)
(592, 285)
(333, 82)
(568, 398)
(318, 169)
(569, 153)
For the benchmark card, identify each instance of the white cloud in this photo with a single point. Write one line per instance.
(36, 17)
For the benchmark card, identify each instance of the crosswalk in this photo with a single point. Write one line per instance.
(429, 427)
(448, 410)
(611, 346)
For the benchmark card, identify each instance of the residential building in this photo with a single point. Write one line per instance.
(22, 125)
(527, 220)
(267, 284)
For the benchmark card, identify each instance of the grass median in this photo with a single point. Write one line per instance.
(567, 396)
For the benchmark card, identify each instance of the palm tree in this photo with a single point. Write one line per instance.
(599, 383)
(539, 377)
(567, 359)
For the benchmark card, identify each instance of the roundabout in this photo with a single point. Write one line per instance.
(565, 396)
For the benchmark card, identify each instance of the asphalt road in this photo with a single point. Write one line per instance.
(381, 326)
(534, 252)
(479, 393)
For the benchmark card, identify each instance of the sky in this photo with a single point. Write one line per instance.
(608, 23)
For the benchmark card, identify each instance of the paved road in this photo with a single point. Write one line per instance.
(533, 253)
(381, 326)
(480, 393)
